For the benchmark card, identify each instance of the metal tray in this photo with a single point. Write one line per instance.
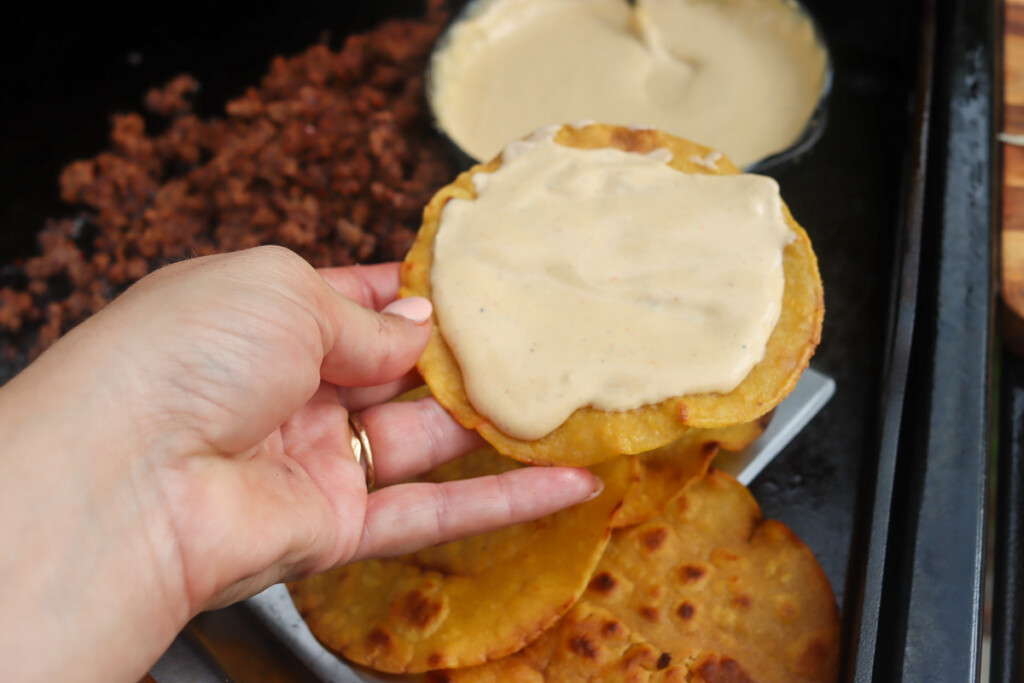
(887, 484)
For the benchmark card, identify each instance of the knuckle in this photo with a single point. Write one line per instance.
(440, 520)
(507, 495)
(432, 429)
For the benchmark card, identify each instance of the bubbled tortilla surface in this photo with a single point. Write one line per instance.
(706, 592)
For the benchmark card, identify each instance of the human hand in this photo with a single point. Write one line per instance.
(189, 446)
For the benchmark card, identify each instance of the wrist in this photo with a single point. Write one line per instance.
(73, 600)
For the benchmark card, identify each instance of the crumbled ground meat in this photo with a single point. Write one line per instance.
(332, 155)
(172, 99)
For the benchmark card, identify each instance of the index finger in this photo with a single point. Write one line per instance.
(373, 286)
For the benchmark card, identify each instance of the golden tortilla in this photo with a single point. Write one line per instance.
(707, 592)
(591, 435)
(666, 471)
(710, 575)
(468, 601)
(587, 644)
(590, 644)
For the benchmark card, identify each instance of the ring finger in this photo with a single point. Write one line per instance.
(412, 437)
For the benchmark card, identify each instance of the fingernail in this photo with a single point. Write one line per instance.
(599, 483)
(414, 308)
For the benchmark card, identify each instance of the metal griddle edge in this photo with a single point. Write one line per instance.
(920, 611)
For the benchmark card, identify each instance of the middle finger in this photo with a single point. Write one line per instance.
(361, 398)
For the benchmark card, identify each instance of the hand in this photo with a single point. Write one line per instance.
(189, 446)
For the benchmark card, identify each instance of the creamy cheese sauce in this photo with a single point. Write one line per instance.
(604, 278)
(743, 76)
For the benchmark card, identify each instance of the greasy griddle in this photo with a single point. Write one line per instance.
(866, 193)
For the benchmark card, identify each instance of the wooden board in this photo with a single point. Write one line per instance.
(1012, 219)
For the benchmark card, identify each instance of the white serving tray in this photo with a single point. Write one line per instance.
(275, 609)
(811, 394)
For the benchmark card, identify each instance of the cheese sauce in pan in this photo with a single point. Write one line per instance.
(742, 76)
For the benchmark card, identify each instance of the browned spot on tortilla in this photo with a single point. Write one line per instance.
(686, 611)
(418, 609)
(641, 655)
(379, 638)
(603, 583)
(742, 601)
(650, 613)
(692, 572)
(610, 628)
(582, 646)
(641, 141)
(720, 669)
(664, 660)
(654, 538)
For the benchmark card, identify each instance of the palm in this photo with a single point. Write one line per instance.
(296, 491)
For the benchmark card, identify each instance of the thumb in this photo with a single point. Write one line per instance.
(369, 348)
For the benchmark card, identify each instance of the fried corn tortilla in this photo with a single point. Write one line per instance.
(587, 644)
(468, 601)
(665, 471)
(590, 435)
(709, 574)
(706, 592)
(590, 644)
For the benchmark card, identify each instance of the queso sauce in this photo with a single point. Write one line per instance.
(604, 278)
(742, 76)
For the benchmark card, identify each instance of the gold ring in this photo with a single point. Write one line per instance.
(361, 448)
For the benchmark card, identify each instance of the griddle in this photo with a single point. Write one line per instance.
(888, 485)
